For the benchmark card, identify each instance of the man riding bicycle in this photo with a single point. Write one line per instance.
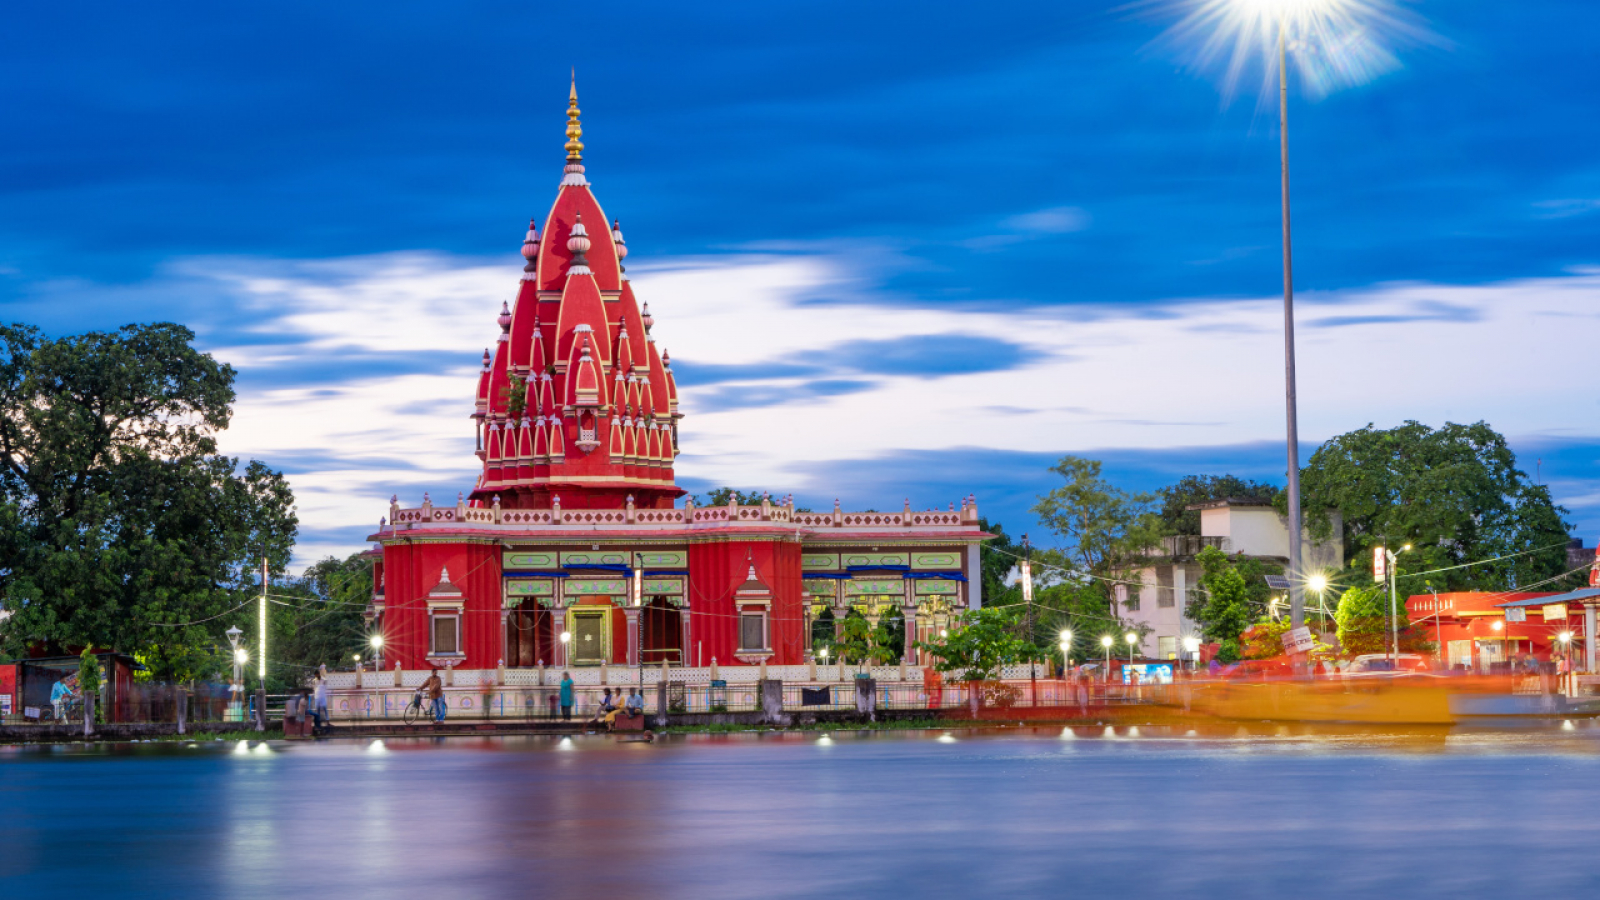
(434, 689)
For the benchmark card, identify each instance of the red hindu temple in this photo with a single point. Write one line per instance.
(576, 547)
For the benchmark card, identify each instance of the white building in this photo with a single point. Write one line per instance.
(1251, 528)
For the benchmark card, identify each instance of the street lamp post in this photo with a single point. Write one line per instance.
(377, 652)
(1066, 650)
(1132, 639)
(1394, 608)
(1106, 641)
(1191, 646)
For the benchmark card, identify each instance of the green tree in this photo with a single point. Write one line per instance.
(122, 526)
(1106, 535)
(1176, 499)
(996, 560)
(318, 619)
(980, 643)
(1453, 493)
(862, 642)
(1363, 618)
(1225, 609)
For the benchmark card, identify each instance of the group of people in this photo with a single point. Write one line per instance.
(612, 706)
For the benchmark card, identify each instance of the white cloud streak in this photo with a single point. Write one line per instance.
(1177, 373)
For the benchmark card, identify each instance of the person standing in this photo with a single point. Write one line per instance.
(434, 688)
(566, 696)
(319, 701)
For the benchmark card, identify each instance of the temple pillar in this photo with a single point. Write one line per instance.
(908, 654)
(558, 625)
(632, 614)
(505, 644)
(1589, 638)
(685, 619)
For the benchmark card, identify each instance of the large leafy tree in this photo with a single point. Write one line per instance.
(1454, 494)
(1176, 499)
(122, 527)
(317, 619)
(1106, 535)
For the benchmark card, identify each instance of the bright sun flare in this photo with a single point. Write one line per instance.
(1332, 44)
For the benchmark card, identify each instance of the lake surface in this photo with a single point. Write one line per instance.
(1268, 812)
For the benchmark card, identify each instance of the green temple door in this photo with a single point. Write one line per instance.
(591, 636)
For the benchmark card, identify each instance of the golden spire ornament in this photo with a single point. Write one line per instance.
(574, 127)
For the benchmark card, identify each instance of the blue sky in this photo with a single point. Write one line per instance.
(896, 249)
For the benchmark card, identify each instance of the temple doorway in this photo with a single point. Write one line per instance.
(660, 633)
(529, 637)
(591, 635)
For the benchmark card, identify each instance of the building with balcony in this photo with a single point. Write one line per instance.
(1238, 527)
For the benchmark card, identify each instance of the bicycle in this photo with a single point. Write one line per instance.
(416, 709)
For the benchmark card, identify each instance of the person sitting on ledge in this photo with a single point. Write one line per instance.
(604, 711)
(635, 705)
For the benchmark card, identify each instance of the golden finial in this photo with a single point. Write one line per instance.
(574, 128)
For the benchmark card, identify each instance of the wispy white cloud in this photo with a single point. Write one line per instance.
(1183, 372)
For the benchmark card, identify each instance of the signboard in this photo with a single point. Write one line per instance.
(1516, 614)
(1298, 640)
(8, 687)
(1147, 673)
(1555, 611)
(1380, 565)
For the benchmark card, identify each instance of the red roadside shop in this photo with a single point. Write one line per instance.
(1484, 630)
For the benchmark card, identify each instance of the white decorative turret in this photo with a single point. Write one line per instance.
(578, 245)
(616, 235)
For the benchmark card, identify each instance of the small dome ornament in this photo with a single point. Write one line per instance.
(530, 243)
(504, 318)
(578, 244)
(645, 316)
(622, 244)
(486, 359)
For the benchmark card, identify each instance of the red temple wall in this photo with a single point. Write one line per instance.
(412, 570)
(715, 571)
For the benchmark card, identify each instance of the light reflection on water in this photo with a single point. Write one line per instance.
(1252, 810)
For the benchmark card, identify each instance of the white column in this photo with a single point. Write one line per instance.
(1589, 638)
(908, 614)
(974, 579)
(632, 614)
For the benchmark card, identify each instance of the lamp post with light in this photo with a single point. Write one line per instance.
(1066, 651)
(1191, 645)
(377, 652)
(239, 657)
(1132, 639)
(1392, 560)
(1106, 641)
(566, 638)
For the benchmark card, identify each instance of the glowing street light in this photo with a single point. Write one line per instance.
(1334, 41)
(1066, 650)
(1191, 646)
(1132, 639)
(376, 642)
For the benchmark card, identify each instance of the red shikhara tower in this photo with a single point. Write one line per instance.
(571, 551)
(575, 404)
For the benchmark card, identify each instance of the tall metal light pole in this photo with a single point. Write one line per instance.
(261, 644)
(1297, 595)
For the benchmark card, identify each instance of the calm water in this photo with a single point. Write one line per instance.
(1018, 813)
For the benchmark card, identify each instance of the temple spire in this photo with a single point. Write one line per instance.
(574, 170)
(574, 127)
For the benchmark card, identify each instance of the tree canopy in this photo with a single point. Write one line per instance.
(121, 526)
(1453, 493)
(1177, 518)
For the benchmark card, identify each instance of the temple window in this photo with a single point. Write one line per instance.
(445, 630)
(753, 630)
